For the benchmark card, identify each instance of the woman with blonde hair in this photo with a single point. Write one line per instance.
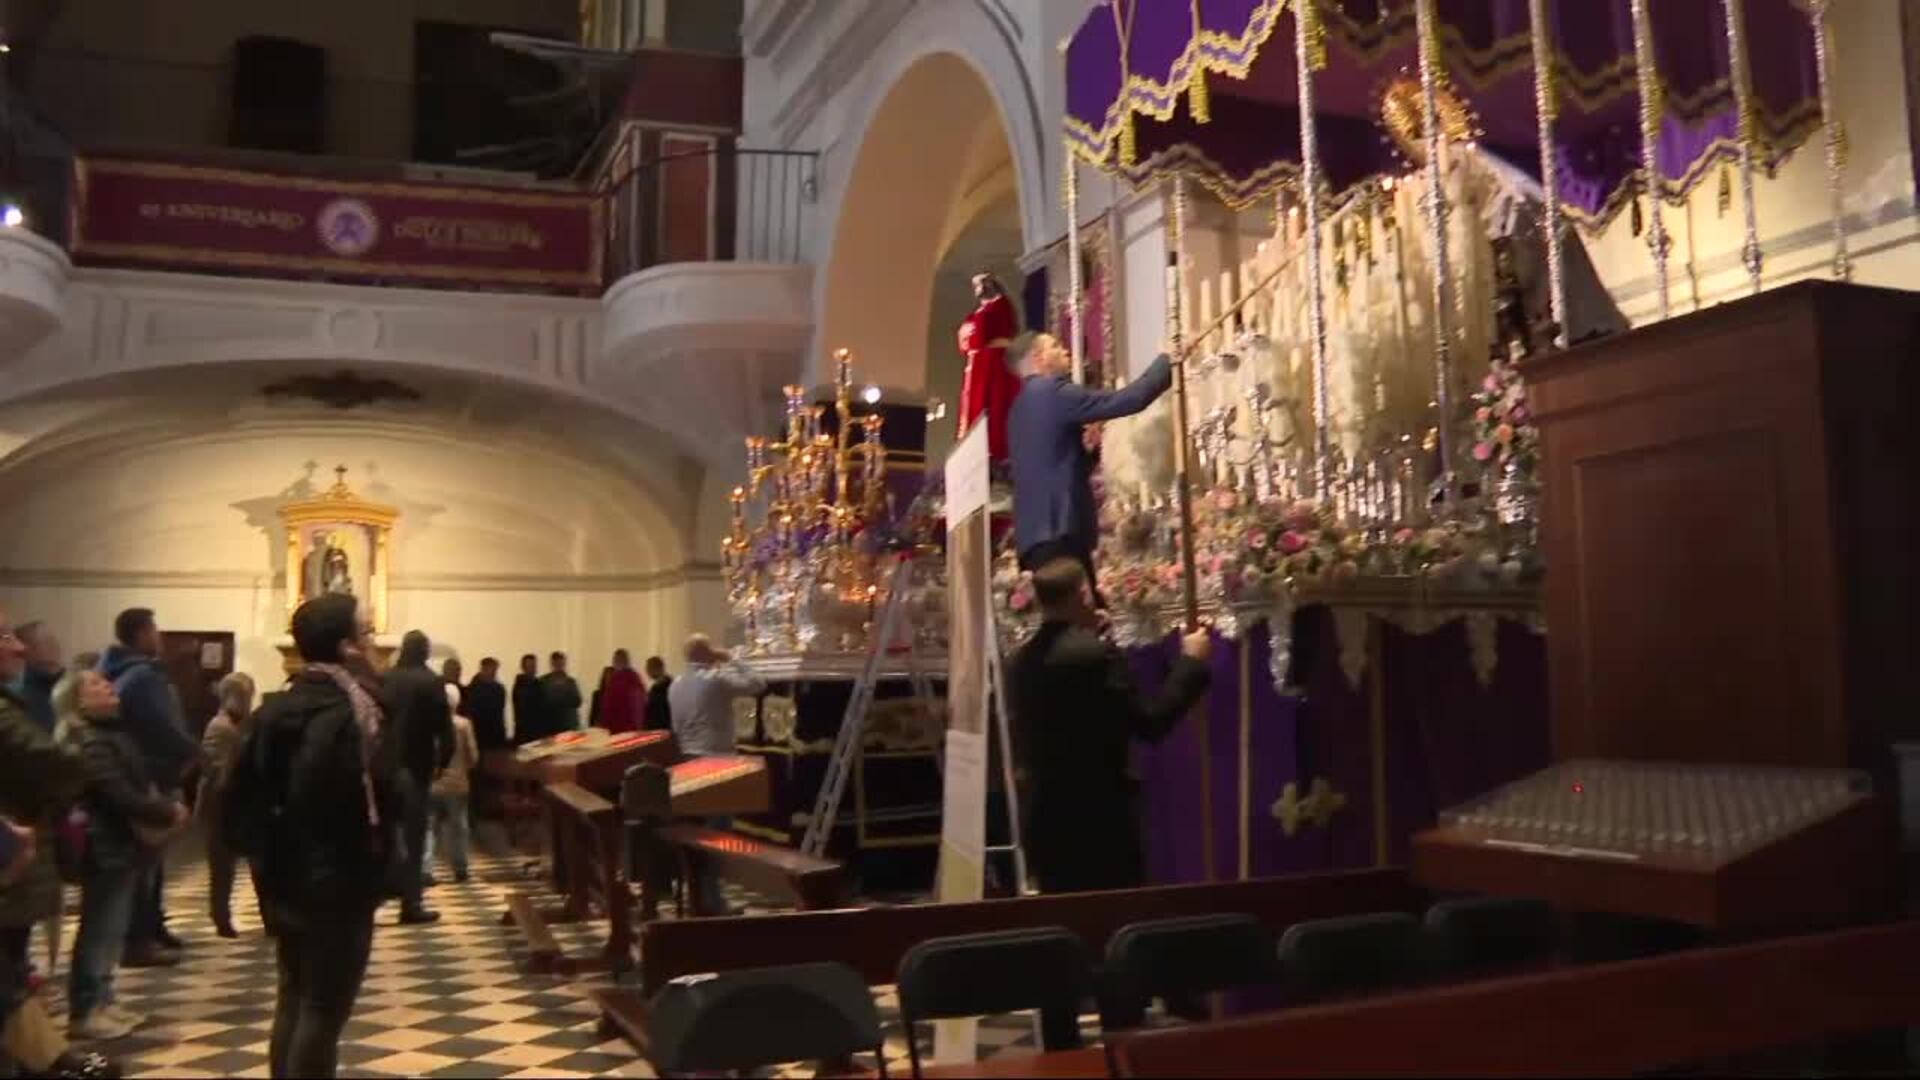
(226, 733)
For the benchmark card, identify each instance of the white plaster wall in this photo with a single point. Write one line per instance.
(502, 547)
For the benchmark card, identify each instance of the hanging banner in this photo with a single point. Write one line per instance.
(189, 217)
(963, 823)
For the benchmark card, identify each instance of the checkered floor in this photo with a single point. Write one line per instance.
(445, 1000)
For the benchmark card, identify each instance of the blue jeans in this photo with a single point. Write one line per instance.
(450, 816)
(107, 899)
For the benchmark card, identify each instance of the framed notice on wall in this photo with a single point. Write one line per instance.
(963, 822)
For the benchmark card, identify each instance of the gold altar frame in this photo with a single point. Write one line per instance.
(339, 508)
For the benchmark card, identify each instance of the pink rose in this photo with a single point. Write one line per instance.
(1225, 500)
(1518, 414)
(1483, 414)
(1022, 598)
(1404, 536)
(1257, 540)
(1491, 384)
(1292, 543)
(1483, 451)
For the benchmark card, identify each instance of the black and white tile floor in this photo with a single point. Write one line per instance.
(447, 1000)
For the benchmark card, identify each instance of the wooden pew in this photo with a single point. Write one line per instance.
(792, 877)
(1691, 1008)
(586, 832)
(872, 940)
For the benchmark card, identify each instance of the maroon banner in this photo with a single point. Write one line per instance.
(195, 217)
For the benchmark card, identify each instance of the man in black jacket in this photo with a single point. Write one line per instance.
(312, 808)
(529, 704)
(421, 745)
(659, 713)
(487, 707)
(1077, 710)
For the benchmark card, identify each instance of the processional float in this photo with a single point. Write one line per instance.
(1356, 117)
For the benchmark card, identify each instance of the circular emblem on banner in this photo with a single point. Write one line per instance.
(348, 227)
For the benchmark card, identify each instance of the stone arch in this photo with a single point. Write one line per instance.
(948, 75)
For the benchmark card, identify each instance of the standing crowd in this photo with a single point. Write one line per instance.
(338, 792)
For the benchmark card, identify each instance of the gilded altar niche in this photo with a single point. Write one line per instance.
(338, 543)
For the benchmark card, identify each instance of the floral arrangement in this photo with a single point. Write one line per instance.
(1253, 554)
(1504, 434)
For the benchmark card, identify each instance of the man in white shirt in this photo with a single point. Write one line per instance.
(701, 701)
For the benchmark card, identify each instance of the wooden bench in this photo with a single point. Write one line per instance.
(586, 859)
(872, 940)
(1695, 1008)
(778, 873)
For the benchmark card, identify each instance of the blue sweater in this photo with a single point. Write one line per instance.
(150, 713)
(1052, 470)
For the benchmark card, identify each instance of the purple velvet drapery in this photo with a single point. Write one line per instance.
(1448, 738)
(1251, 142)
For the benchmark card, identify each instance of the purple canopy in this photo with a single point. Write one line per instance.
(1131, 109)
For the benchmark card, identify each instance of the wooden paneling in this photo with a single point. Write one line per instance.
(1728, 521)
(1610, 1020)
(687, 198)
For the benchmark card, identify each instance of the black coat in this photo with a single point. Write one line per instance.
(322, 856)
(120, 793)
(1076, 710)
(420, 724)
(659, 713)
(487, 708)
(529, 710)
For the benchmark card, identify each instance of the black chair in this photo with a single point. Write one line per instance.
(1331, 958)
(758, 1017)
(1480, 934)
(1044, 968)
(1178, 960)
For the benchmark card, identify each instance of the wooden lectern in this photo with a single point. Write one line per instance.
(1731, 518)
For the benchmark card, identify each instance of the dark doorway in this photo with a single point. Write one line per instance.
(464, 93)
(196, 661)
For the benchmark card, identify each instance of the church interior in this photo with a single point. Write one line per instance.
(959, 538)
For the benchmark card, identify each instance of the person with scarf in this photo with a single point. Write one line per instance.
(314, 810)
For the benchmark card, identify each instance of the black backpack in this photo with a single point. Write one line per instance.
(256, 789)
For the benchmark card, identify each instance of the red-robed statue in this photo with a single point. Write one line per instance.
(989, 385)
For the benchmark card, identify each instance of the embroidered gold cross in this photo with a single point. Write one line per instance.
(1317, 809)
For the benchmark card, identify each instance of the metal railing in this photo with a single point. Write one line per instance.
(716, 205)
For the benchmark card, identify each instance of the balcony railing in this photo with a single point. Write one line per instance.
(711, 205)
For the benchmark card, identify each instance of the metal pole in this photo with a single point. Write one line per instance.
(1836, 136)
(1427, 30)
(1742, 74)
(1652, 110)
(1078, 343)
(1306, 52)
(1546, 107)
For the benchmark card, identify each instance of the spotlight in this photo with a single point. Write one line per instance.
(870, 395)
(12, 216)
(5, 48)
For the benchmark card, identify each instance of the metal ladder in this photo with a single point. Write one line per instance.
(853, 725)
(848, 741)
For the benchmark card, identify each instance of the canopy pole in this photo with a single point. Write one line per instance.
(1836, 136)
(1183, 495)
(1310, 52)
(1546, 107)
(1742, 75)
(1427, 30)
(1078, 343)
(1652, 112)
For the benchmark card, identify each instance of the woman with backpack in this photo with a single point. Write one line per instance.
(128, 822)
